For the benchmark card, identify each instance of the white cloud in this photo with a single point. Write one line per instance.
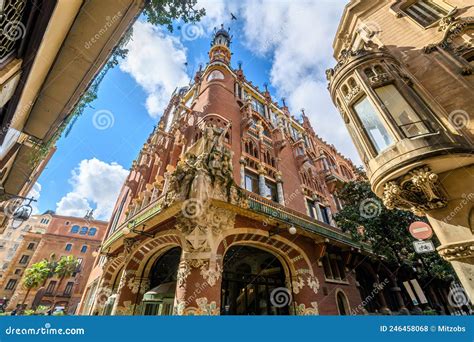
(95, 184)
(297, 36)
(35, 193)
(156, 61)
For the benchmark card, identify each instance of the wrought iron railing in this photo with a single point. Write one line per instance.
(299, 220)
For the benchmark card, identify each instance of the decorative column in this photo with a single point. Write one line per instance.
(281, 196)
(125, 302)
(305, 287)
(262, 188)
(198, 288)
(243, 163)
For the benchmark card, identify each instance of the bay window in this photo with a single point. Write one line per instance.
(373, 126)
(401, 112)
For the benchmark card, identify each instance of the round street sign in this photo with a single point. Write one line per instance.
(420, 230)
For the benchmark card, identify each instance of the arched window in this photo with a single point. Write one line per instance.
(342, 304)
(83, 231)
(75, 229)
(92, 231)
(215, 75)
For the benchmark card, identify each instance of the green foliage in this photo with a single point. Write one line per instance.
(386, 230)
(158, 12)
(163, 12)
(37, 274)
(29, 312)
(66, 266)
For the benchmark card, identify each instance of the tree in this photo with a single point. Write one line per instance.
(35, 276)
(366, 219)
(64, 268)
(163, 12)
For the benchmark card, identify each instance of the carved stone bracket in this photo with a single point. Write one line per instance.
(418, 191)
(458, 251)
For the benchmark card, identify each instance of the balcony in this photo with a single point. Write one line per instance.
(278, 212)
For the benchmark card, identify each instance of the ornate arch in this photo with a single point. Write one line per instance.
(153, 248)
(297, 264)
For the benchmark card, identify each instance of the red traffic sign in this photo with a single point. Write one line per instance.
(420, 230)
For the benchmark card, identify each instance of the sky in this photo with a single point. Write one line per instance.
(287, 44)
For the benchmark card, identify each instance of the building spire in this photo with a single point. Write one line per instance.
(220, 46)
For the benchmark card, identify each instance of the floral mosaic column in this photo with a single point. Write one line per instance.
(198, 287)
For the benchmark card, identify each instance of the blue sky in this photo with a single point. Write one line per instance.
(284, 43)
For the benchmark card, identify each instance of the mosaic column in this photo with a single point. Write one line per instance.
(198, 288)
(281, 196)
(242, 172)
(304, 288)
(126, 301)
(262, 188)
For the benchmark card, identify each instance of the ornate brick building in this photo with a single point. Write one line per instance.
(42, 236)
(227, 210)
(404, 86)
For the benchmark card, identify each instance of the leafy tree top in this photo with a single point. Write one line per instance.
(365, 217)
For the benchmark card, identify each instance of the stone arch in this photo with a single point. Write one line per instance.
(296, 262)
(112, 270)
(143, 257)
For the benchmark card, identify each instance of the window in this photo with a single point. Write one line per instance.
(342, 304)
(68, 288)
(68, 247)
(374, 128)
(258, 107)
(215, 75)
(425, 12)
(251, 182)
(271, 191)
(75, 229)
(325, 214)
(79, 264)
(31, 246)
(51, 286)
(312, 211)
(333, 267)
(92, 231)
(84, 249)
(18, 271)
(83, 231)
(405, 117)
(11, 284)
(24, 259)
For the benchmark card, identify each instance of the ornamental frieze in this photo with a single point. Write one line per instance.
(418, 191)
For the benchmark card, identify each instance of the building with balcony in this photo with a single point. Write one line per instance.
(50, 51)
(228, 210)
(41, 237)
(403, 84)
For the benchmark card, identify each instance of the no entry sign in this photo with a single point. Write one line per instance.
(420, 230)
